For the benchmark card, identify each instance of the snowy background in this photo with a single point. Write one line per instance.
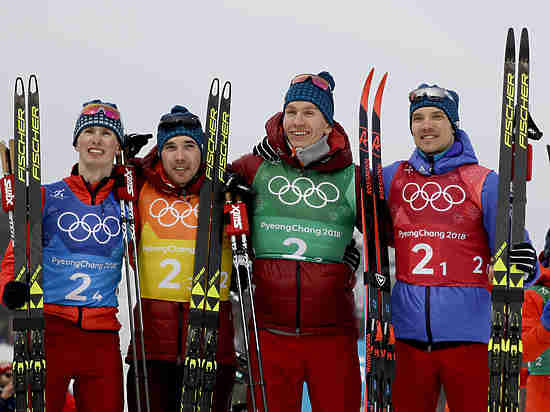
(148, 56)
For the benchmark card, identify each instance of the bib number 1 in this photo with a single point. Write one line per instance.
(424, 268)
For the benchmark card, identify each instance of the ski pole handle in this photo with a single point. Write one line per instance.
(238, 217)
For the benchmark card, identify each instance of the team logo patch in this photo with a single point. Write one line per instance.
(80, 229)
(169, 214)
(303, 188)
(440, 199)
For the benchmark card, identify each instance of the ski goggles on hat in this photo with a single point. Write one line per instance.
(315, 79)
(432, 93)
(187, 120)
(5, 369)
(107, 109)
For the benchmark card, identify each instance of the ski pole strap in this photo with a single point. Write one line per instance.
(237, 219)
(8, 198)
(125, 183)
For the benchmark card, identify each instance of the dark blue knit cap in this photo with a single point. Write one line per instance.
(308, 92)
(192, 129)
(99, 119)
(449, 104)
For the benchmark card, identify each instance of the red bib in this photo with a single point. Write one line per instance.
(438, 227)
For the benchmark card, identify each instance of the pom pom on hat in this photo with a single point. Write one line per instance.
(309, 92)
(179, 122)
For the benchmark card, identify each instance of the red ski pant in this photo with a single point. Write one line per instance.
(164, 380)
(328, 364)
(91, 358)
(462, 370)
(538, 393)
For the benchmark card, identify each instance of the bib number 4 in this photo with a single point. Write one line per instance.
(85, 282)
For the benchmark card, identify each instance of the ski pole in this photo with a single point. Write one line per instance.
(238, 225)
(128, 227)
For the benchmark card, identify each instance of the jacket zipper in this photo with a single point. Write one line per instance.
(428, 326)
(298, 298)
(180, 332)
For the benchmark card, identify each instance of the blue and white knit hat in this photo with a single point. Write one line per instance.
(100, 118)
(309, 92)
(179, 122)
(449, 104)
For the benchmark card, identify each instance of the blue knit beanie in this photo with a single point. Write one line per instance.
(100, 118)
(179, 122)
(309, 92)
(449, 104)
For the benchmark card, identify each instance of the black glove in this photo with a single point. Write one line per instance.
(236, 185)
(266, 151)
(352, 256)
(16, 294)
(524, 256)
(133, 143)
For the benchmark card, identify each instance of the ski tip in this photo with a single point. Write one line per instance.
(226, 93)
(510, 50)
(525, 33)
(215, 87)
(19, 86)
(33, 81)
(366, 89)
(380, 91)
(524, 45)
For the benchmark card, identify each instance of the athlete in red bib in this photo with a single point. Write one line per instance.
(443, 208)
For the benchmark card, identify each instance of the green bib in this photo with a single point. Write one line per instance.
(541, 365)
(303, 215)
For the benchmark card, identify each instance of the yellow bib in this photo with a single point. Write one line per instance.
(167, 247)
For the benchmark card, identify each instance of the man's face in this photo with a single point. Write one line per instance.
(304, 124)
(432, 131)
(97, 146)
(181, 159)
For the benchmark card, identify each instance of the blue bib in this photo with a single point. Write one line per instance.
(82, 249)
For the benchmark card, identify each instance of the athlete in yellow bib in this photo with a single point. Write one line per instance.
(169, 180)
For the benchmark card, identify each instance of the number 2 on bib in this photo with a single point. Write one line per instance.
(424, 268)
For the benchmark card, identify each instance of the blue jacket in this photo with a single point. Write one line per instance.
(435, 314)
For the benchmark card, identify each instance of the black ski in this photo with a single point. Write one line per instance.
(379, 335)
(505, 345)
(200, 365)
(29, 364)
(37, 362)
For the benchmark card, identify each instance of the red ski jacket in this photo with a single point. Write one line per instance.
(301, 297)
(165, 322)
(535, 337)
(102, 318)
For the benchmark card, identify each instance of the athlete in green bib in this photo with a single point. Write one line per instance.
(302, 218)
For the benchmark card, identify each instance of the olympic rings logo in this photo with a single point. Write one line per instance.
(441, 200)
(80, 230)
(170, 214)
(313, 196)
